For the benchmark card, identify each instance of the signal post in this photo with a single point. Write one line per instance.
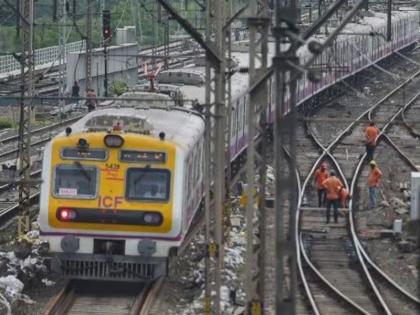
(106, 35)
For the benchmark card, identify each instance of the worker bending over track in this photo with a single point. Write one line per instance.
(333, 186)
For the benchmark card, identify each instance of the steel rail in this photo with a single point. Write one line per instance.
(61, 303)
(53, 73)
(412, 130)
(7, 186)
(8, 213)
(299, 234)
(42, 129)
(305, 284)
(152, 293)
(359, 248)
(400, 152)
(326, 151)
(381, 135)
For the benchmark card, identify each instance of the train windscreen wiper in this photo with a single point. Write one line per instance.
(83, 170)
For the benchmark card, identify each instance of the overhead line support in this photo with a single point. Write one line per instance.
(27, 91)
(214, 45)
(258, 22)
(207, 44)
(285, 136)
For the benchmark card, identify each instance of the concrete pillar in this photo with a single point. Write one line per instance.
(415, 195)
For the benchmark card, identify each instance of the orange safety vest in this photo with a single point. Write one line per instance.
(320, 176)
(371, 133)
(333, 186)
(374, 177)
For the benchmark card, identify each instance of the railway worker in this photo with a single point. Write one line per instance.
(373, 183)
(75, 91)
(371, 133)
(91, 100)
(321, 174)
(344, 197)
(333, 186)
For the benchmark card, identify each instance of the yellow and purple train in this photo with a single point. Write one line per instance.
(121, 186)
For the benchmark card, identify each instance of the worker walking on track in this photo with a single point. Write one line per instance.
(371, 133)
(333, 186)
(321, 174)
(373, 183)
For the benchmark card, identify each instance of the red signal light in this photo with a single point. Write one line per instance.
(106, 24)
(66, 214)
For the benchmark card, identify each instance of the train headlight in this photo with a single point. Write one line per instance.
(69, 244)
(146, 247)
(152, 218)
(113, 141)
(66, 214)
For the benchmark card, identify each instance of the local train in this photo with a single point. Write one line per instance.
(122, 185)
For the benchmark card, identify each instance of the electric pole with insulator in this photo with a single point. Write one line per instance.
(106, 34)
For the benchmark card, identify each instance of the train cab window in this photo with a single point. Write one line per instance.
(147, 184)
(75, 181)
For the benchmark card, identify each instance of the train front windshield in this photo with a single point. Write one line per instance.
(75, 181)
(147, 184)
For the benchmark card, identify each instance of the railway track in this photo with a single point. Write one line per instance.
(328, 250)
(93, 298)
(8, 207)
(49, 83)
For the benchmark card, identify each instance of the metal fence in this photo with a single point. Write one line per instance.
(43, 56)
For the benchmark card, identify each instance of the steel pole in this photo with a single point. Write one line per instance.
(27, 91)
(105, 69)
(88, 57)
(258, 23)
(285, 31)
(389, 21)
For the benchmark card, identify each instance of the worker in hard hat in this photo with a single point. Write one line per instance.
(333, 186)
(373, 183)
(371, 134)
(321, 174)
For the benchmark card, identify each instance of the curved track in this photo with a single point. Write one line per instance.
(327, 251)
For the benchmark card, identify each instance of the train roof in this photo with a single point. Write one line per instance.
(374, 22)
(180, 126)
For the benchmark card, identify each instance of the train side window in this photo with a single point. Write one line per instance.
(240, 120)
(245, 112)
(201, 157)
(188, 177)
(147, 184)
(232, 122)
(75, 181)
(197, 165)
(194, 168)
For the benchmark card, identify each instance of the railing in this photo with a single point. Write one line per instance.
(43, 56)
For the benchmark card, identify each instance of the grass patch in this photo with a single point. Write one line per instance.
(5, 123)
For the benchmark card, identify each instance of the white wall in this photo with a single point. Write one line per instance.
(122, 65)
